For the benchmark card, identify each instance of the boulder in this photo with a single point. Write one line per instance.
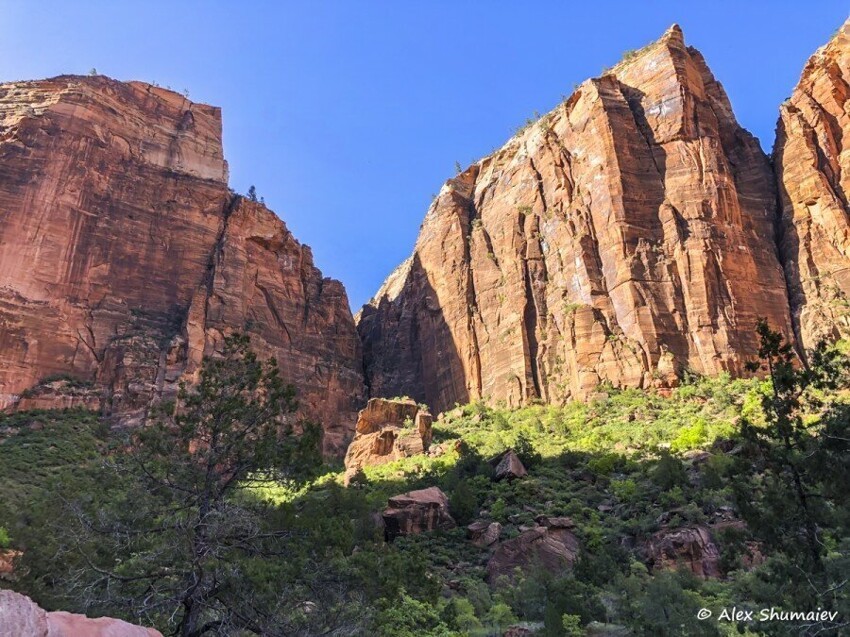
(21, 617)
(508, 466)
(693, 547)
(552, 548)
(387, 430)
(417, 512)
(483, 533)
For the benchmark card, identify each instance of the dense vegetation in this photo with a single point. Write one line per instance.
(625, 466)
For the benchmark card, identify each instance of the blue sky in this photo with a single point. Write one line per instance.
(347, 115)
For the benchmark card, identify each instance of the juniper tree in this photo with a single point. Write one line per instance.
(181, 546)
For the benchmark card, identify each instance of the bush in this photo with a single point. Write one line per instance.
(5, 540)
(463, 504)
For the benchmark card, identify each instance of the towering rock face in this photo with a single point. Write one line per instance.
(625, 237)
(264, 283)
(124, 257)
(812, 160)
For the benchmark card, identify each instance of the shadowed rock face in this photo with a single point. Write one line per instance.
(626, 237)
(551, 545)
(812, 160)
(124, 257)
(417, 512)
(691, 547)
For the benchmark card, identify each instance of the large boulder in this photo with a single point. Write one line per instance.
(21, 617)
(693, 547)
(483, 533)
(550, 545)
(387, 430)
(508, 466)
(416, 512)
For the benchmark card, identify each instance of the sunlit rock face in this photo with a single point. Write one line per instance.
(812, 160)
(626, 237)
(124, 257)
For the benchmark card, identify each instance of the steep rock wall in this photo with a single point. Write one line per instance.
(812, 160)
(625, 237)
(124, 257)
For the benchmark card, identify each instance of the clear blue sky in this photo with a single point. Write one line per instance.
(348, 115)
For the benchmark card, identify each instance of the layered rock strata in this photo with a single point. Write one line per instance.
(387, 430)
(124, 258)
(626, 237)
(812, 161)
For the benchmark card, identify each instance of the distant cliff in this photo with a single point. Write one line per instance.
(634, 234)
(124, 258)
(629, 236)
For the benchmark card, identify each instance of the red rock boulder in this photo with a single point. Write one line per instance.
(692, 547)
(552, 547)
(508, 466)
(21, 617)
(387, 430)
(416, 512)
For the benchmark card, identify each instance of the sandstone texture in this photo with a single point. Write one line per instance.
(21, 617)
(387, 430)
(417, 512)
(812, 161)
(691, 547)
(124, 257)
(625, 237)
(550, 545)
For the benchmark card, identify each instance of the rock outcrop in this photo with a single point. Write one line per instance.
(483, 533)
(625, 237)
(508, 466)
(124, 257)
(812, 162)
(21, 617)
(417, 512)
(550, 545)
(691, 547)
(387, 430)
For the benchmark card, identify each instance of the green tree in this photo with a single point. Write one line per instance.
(186, 544)
(463, 503)
(252, 193)
(784, 494)
(792, 482)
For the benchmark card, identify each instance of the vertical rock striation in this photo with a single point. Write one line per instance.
(812, 161)
(625, 237)
(124, 257)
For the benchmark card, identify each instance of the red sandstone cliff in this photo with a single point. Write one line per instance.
(812, 160)
(124, 256)
(625, 237)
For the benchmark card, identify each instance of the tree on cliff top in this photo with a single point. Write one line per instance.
(184, 548)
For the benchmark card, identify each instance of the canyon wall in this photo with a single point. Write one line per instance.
(634, 234)
(812, 160)
(124, 257)
(628, 236)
